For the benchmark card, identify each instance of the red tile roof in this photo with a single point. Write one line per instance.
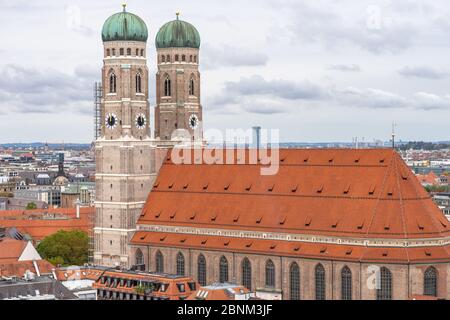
(218, 292)
(345, 193)
(171, 292)
(10, 252)
(428, 179)
(367, 193)
(31, 222)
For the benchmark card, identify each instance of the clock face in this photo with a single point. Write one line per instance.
(111, 121)
(140, 121)
(193, 121)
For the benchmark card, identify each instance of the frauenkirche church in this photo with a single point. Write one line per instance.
(331, 224)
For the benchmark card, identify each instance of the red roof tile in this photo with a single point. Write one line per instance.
(375, 197)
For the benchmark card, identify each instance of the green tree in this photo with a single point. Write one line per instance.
(65, 247)
(31, 206)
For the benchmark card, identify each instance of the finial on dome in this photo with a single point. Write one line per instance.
(124, 5)
(177, 13)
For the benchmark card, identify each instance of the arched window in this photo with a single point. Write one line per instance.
(183, 58)
(128, 51)
(142, 52)
(384, 290)
(191, 87)
(320, 282)
(223, 270)
(190, 58)
(108, 52)
(167, 87)
(139, 259)
(247, 274)
(195, 59)
(270, 274)
(430, 282)
(163, 58)
(138, 83)
(121, 51)
(112, 83)
(294, 282)
(137, 52)
(176, 57)
(180, 264)
(168, 58)
(346, 283)
(113, 51)
(159, 258)
(201, 270)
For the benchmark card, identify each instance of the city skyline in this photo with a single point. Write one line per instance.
(316, 71)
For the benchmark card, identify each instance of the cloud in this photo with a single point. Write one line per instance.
(429, 101)
(369, 98)
(344, 67)
(423, 72)
(379, 29)
(45, 91)
(260, 96)
(257, 85)
(227, 56)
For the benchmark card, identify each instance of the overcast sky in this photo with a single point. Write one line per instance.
(316, 70)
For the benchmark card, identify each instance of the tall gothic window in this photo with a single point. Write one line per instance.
(180, 264)
(139, 259)
(167, 87)
(294, 282)
(346, 283)
(159, 258)
(138, 83)
(168, 58)
(430, 282)
(223, 270)
(247, 274)
(177, 57)
(121, 52)
(112, 83)
(128, 51)
(201, 270)
(384, 291)
(270, 274)
(163, 58)
(320, 282)
(191, 87)
(183, 58)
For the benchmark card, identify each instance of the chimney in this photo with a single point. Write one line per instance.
(78, 204)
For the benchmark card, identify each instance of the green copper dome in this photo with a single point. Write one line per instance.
(178, 34)
(124, 26)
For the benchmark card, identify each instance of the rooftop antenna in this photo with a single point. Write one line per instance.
(393, 134)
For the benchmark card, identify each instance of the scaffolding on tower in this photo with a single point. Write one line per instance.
(98, 91)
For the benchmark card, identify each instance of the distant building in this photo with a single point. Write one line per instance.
(38, 224)
(34, 288)
(19, 256)
(222, 291)
(80, 280)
